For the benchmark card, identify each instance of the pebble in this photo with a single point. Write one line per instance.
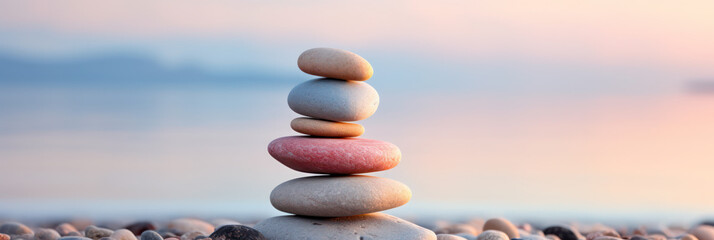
(46, 234)
(503, 225)
(184, 225)
(492, 235)
(123, 234)
(150, 235)
(703, 232)
(15, 228)
(326, 128)
(333, 99)
(687, 237)
(607, 238)
(467, 236)
(139, 227)
(335, 63)
(96, 233)
(562, 233)
(166, 233)
(608, 232)
(339, 196)
(533, 237)
(236, 232)
(367, 226)
(4, 236)
(334, 155)
(65, 229)
(445, 236)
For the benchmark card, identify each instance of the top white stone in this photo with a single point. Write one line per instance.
(335, 63)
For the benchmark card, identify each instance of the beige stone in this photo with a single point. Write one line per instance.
(503, 225)
(492, 235)
(339, 196)
(326, 128)
(186, 225)
(445, 236)
(335, 63)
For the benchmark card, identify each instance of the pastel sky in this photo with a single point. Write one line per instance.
(498, 106)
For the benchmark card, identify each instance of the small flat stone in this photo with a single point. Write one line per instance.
(503, 225)
(236, 232)
(367, 226)
(332, 99)
(65, 229)
(446, 236)
(335, 63)
(492, 235)
(184, 225)
(562, 233)
(96, 233)
(46, 234)
(123, 234)
(339, 196)
(150, 235)
(139, 227)
(326, 128)
(334, 155)
(703, 232)
(15, 228)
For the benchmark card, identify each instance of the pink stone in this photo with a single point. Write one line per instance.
(334, 155)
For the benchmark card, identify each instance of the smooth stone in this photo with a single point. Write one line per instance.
(562, 233)
(446, 236)
(326, 128)
(467, 236)
(96, 233)
(4, 236)
(150, 235)
(65, 229)
(367, 226)
(74, 234)
(492, 235)
(123, 234)
(333, 99)
(687, 237)
(533, 237)
(139, 227)
(46, 234)
(503, 225)
(185, 225)
(335, 63)
(703, 232)
(339, 196)
(22, 237)
(236, 232)
(334, 155)
(15, 228)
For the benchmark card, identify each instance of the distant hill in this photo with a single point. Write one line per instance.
(126, 71)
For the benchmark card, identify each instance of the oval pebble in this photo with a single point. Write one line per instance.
(562, 233)
(326, 128)
(334, 155)
(503, 225)
(46, 234)
(687, 237)
(335, 63)
(65, 229)
(332, 99)
(236, 232)
(492, 235)
(96, 233)
(150, 235)
(184, 225)
(366, 226)
(139, 227)
(15, 228)
(339, 196)
(703, 232)
(123, 234)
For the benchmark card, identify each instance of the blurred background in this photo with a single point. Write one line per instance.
(541, 109)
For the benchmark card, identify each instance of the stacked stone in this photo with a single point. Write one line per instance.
(338, 205)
